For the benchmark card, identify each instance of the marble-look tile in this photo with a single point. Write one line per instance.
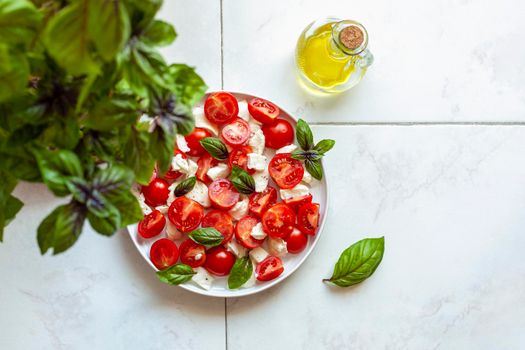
(450, 202)
(444, 60)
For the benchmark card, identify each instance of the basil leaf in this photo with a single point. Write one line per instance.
(8, 211)
(358, 262)
(129, 208)
(113, 181)
(185, 186)
(324, 146)
(19, 21)
(215, 147)
(304, 135)
(314, 168)
(57, 167)
(187, 85)
(159, 33)
(14, 72)
(240, 273)
(176, 274)
(207, 236)
(242, 181)
(137, 156)
(298, 154)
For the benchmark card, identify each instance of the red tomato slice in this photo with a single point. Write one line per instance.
(236, 132)
(185, 214)
(308, 218)
(152, 224)
(285, 171)
(263, 110)
(222, 194)
(278, 134)
(243, 231)
(156, 192)
(278, 221)
(269, 268)
(219, 261)
(193, 139)
(220, 220)
(192, 253)
(221, 107)
(296, 202)
(261, 201)
(296, 242)
(204, 164)
(239, 157)
(163, 253)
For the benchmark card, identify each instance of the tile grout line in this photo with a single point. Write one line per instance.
(417, 123)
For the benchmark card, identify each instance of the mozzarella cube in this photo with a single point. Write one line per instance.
(243, 110)
(237, 249)
(199, 194)
(163, 208)
(218, 172)
(182, 145)
(256, 161)
(298, 191)
(277, 246)
(258, 232)
(261, 180)
(240, 209)
(172, 232)
(307, 177)
(179, 163)
(256, 141)
(258, 254)
(254, 125)
(286, 149)
(202, 278)
(146, 209)
(192, 168)
(202, 122)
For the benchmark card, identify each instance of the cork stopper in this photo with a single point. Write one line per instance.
(352, 37)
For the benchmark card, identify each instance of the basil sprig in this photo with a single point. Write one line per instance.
(185, 186)
(207, 236)
(242, 181)
(240, 273)
(176, 274)
(310, 152)
(215, 147)
(358, 262)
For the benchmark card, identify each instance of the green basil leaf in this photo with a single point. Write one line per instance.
(113, 181)
(9, 207)
(161, 146)
(242, 181)
(187, 85)
(137, 157)
(185, 186)
(112, 112)
(159, 33)
(324, 146)
(19, 21)
(176, 274)
(207, 236)
(240, 273)
(63, 133)
(129, 208)
(14, 72)
(314, 168)
(215, 147)
(106, 221)
(298, 154)
(56, 167)
(304, 135)
(358, 262)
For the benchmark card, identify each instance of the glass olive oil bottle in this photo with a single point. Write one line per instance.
(332, 55)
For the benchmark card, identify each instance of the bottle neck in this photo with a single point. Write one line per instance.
(349, 38)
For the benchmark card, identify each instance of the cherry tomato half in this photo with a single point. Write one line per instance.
(192, 253)
(308, 218)
(219, 261)
(185, 214)
(236, 132)
(222, 221)
(156, 192)
(193, 139)
(243, 231)
(261, 201)
(269, 268)
(163, 253)
(204, 164)
(296, 242)
(222, 194)
(263, 111)
(296, 202)
(285, 171)
(221, 107)
(239, 157)
(278, 221)
(152, 224)
(278, 134)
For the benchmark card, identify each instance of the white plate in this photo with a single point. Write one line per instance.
(319, 190)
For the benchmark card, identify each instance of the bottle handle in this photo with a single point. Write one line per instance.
(366, 59)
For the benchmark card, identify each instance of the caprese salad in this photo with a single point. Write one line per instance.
(236, 198)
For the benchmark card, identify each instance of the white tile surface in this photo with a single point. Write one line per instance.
(450, 203)
(444, 60)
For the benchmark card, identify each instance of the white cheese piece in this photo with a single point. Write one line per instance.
(163, 208)
(202, 278)
(240, 209)
(172, 232)
(182, 145)
(298, 191)
(237, 249)
(277, 246)
(256, 161)
(243, 110)
(199, 194)
(258, 254)
(251, 281)
(179, 163)
(261, 180)
(192, 168)
(146, 209)
(218, 172)
(286, 149)
(254, 125)
(257, 232)
(256, 141)
(307, 177)
(202, 122)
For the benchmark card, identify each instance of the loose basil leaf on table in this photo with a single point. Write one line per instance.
(215, 147)
(176, 274)
(207, 236)
(358, 262)
(185, 186)
(240, 273)
(242, 181)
